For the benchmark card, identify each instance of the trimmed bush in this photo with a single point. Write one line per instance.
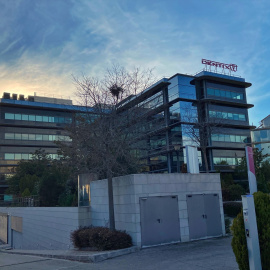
(239, 245)
(100, 238)
(232, 209)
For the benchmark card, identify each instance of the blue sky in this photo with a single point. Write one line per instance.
(44, 42)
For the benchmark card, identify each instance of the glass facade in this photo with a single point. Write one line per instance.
(227, 115)
(37, 118)
(224, 94)
(36, 137)
(25, 156)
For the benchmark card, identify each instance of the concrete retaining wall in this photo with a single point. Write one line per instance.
(3, 227)
(44, 227)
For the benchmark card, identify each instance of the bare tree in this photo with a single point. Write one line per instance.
(102, 136)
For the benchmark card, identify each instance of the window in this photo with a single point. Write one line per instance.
(226, 115)
(9, 116)
(18, 136)
(25, 117)
(224, 93)
(9, 136)
(25, 137)
(32, 137)
(38, 137)
(9, 156)
(32, 118)
(18, 117)
(38, 118)
(229, 138)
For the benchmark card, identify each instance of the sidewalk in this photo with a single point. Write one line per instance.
(72, 255)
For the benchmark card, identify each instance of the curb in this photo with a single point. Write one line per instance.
(80, 258)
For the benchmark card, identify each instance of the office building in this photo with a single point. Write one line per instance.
(261, 136)
(220, 98)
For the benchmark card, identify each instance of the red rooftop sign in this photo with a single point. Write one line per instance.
(231, 67)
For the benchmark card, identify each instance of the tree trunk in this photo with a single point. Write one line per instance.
(205, 160)
(110, 197)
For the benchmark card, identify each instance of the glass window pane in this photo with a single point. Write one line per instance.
(228, 94)
(222, 93)
(233, 95)
(18, 136)
(230, 116)
(217, 92)
(227, 138)
(30, 156)
(25, 137)
(25, 156)
(238, 138)
(18, 116)
(235, 116)
(25, 117)
(221, 137)
(242, 117)
(9, 156)
(232, 138)
(210, 91)
(224, 115)
(32, 137)
(45, 137)
(18, 156)
(32, 118)
(45, 118)
(9, 136)
(38, 137)
(38, 118)
(241, 96)
(51, 138)
(9, 116)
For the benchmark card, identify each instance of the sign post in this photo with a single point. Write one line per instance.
(249, 215)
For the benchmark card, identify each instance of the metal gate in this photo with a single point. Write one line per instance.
(204, 216)
(159, 220)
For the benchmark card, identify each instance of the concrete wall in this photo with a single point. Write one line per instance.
(44, 227)
(128, 189)
(3, 227)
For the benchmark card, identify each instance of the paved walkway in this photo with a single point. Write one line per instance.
(212, 254)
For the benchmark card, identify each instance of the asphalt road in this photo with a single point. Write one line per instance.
(213, 254)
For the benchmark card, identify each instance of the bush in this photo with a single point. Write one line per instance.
(232, 209)
(233, 192)
(100, 238)
(239, 245)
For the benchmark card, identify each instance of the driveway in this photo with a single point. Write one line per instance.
(211, 254)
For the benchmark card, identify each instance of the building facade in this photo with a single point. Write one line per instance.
(30, 124)
(261, 136)
(176, 104)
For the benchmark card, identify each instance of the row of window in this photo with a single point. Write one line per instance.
(226, 161)
(25, 156)
(37, 118)
(227, 115)
(225, 94)
(229, 138)
(36, 137)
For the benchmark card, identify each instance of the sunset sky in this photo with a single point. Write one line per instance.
(44, 42)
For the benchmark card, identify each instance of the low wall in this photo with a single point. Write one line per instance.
(44, 227)
(3, 227)
(128, 189)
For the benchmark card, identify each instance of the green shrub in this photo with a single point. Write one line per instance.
(233, 192)
(227, 225)
(232, 209)
(100, 238)
(239, 245)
